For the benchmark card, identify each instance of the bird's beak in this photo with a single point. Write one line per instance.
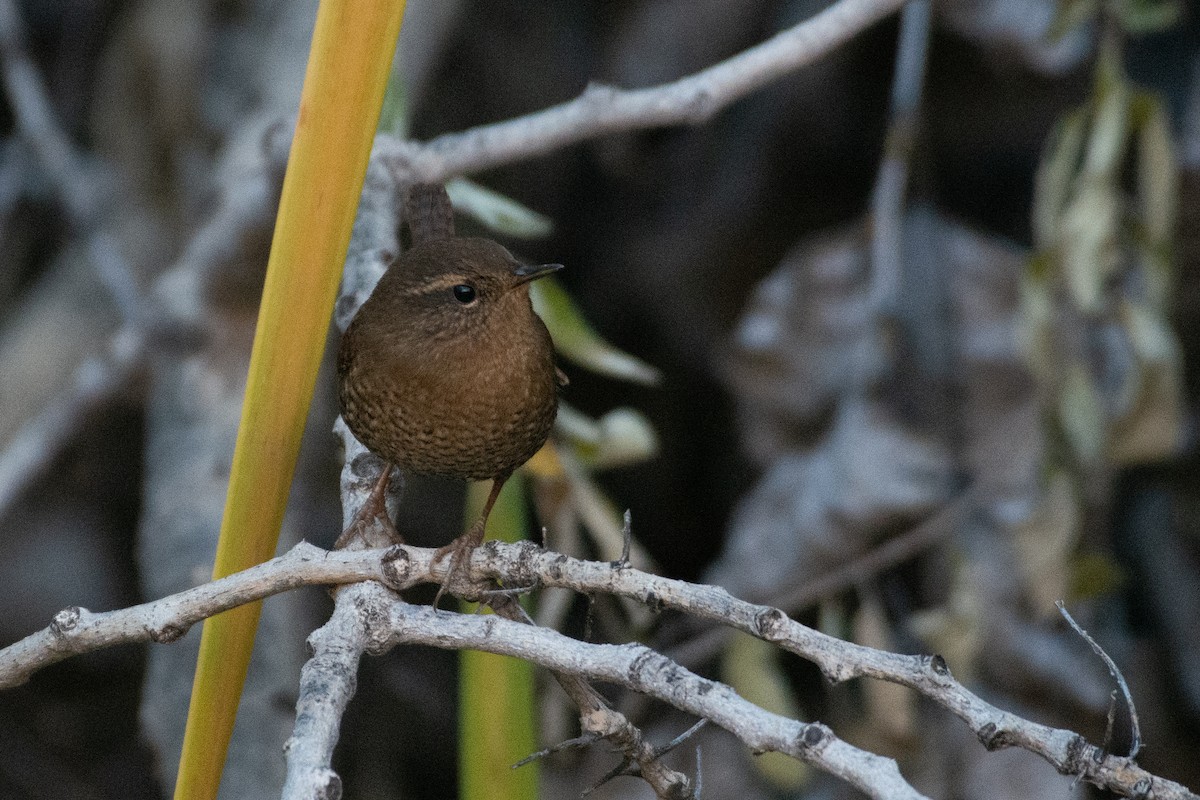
(532, 272)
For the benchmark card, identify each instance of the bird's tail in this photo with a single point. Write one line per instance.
(429, 213)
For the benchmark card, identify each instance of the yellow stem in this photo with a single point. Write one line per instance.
(352, 48)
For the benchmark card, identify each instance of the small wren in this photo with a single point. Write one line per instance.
(446, 370)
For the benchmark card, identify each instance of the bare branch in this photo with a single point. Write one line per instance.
(603, 109)
(76, 631)
(643, 670)
(327, 683)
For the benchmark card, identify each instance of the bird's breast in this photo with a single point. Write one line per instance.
(474, 407)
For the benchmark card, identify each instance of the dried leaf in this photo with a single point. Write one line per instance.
(1109, 132)
(1153, 427)
(1081, 412)
(1055, 177)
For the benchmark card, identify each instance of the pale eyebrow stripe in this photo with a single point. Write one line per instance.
(442, 283)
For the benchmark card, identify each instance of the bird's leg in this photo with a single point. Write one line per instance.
(374, 507)
(461, 548)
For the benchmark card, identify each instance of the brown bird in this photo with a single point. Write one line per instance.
(446, 370)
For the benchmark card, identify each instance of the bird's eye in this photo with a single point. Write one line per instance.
(464, 293)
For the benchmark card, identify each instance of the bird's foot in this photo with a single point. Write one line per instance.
(459, 551)
(371, 526)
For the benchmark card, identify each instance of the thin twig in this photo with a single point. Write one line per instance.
(1135, 730)
(891, 184)
(895, 551)
(579, 741)
(597, 717)
(79, 192)
(603, 110)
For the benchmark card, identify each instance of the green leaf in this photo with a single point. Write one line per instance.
(1055, 177)
(621, 437)
(497, 213)
(1148, 16)
(1089, 249)
(1081, 413)
(497, 709)
(1069, 15)
(1157, 170)
(578, 342)
(393, 116)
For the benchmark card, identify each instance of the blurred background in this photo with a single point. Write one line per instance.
(914, 421)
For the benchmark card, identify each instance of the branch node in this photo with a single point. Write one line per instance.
(648, 664)
(993, 737)
(938, 665)
(653, 601)
(329, 786)
(1142, 789)
(555, 568)
(769, 624)
(168, 633)
(812, 736)
(396, 565)
(1078, 752)
(65, 621)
